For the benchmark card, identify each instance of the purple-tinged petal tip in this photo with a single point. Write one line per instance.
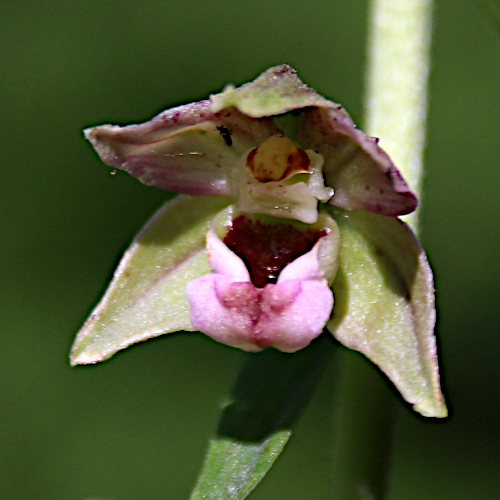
(184, 149)
(361, 173)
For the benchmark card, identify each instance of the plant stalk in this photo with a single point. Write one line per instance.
(396, 108)
(397, 80)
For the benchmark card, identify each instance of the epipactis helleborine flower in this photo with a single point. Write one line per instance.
(284, 201)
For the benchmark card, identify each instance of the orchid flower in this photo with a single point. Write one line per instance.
(286, 208)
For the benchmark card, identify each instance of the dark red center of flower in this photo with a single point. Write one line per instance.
(267, 248)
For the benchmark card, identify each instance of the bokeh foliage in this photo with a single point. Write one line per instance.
(137, 426)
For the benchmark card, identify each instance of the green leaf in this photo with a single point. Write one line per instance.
(272, 390)
(384, 305)
(146, 297)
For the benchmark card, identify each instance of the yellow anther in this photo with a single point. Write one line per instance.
(277, 159)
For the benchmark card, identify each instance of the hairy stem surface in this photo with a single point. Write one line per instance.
(396, 109)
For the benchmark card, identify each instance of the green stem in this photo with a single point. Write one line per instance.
(397, 78)
(396, 108)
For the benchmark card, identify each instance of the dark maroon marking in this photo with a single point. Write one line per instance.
(267, 248)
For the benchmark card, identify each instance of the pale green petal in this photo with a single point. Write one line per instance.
(147, 295)
(276, 91)
(384, 305)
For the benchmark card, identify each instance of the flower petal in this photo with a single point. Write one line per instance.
(361, 173)
(224, 310)
(147, 295)
(292, 326)
(224, 261)
(276, 91)
(307, 266)
(305, 317)
(286, 315)
(189, 149)
(385, 305)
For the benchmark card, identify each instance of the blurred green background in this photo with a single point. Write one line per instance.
(136, 426)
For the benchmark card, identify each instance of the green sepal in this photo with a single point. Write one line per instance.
(146, 297)
(270, 394)
(274, 92)
(384, 305)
